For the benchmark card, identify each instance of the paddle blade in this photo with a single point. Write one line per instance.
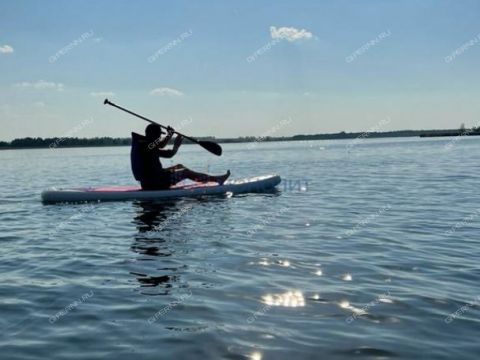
(214, 148)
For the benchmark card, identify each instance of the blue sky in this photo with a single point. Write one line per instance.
(201, 72)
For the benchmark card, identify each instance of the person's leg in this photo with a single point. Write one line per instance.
(185, 173)
(175, 167)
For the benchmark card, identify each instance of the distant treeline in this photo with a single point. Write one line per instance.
(56, 142)
(29, 142)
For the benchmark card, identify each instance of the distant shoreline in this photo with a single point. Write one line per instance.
(59, 142)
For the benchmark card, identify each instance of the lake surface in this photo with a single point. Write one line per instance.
(368, 250)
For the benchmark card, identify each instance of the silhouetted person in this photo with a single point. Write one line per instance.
(147, 168)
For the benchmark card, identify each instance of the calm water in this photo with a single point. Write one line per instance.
(371, 253)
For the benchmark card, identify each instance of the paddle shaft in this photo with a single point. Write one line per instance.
(148, 120)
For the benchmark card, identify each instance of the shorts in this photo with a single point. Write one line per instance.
(162, 181)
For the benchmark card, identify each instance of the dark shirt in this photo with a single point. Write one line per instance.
(150, 159)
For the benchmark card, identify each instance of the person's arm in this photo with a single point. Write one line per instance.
(171, 153)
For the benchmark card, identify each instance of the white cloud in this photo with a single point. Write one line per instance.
(6, 49)
(39, 104)
(98, 39)
(289, 33)
(102, 94)
(166, 92)
(41, 85)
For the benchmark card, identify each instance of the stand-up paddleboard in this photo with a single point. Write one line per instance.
(118, 193)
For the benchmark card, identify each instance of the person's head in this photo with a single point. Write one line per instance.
(153, 132)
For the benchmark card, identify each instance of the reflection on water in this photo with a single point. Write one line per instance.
(151, 214)
(257, 355)
(151, 281)
(150, 243)
(148, 217)
(355, 310)
(288, 299)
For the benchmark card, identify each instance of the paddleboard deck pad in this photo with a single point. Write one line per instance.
(119, 193)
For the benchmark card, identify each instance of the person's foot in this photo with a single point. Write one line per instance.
(223, 178)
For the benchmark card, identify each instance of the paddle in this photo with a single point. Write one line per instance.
(211, 146)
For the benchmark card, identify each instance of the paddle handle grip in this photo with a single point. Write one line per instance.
(108, 102)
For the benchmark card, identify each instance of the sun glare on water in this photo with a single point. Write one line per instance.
(256, 356)
(288, 299)
(346, 305)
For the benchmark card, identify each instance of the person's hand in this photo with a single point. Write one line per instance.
(170, 131)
